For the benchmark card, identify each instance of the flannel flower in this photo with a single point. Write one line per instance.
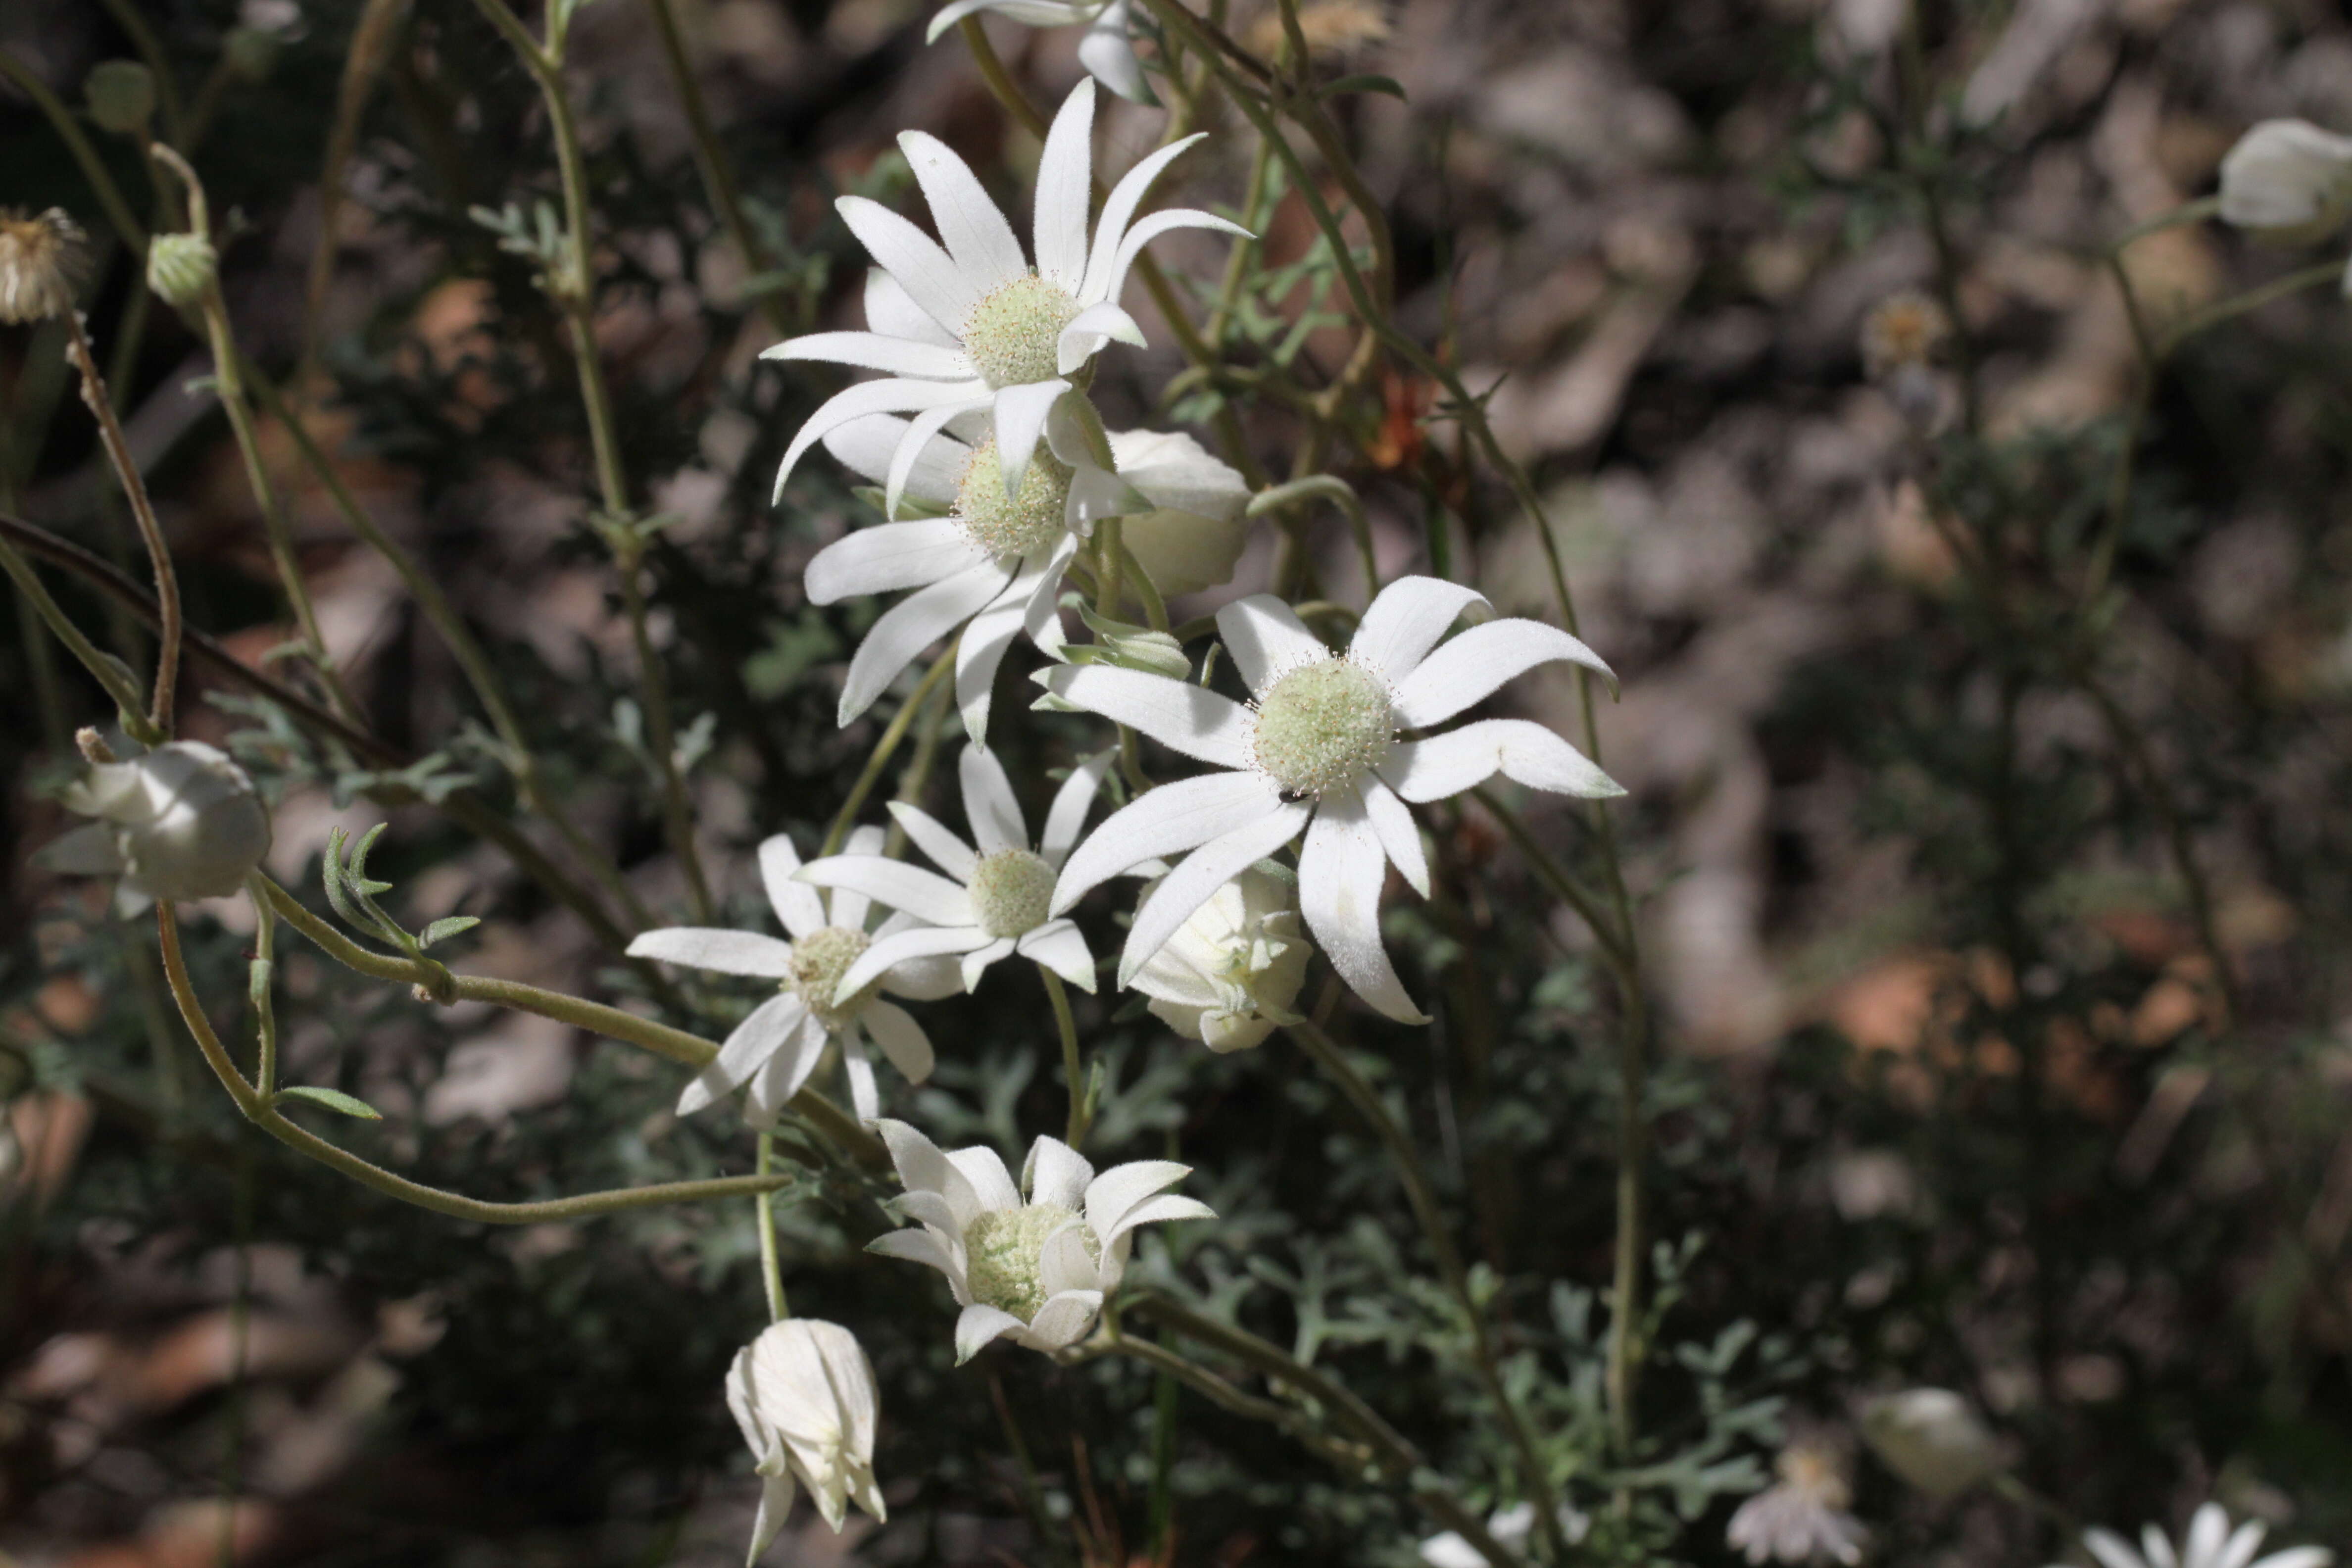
(180, 822)
(995, 904)
(779, 1046)
(1230, 973)
(973, 326)
(1801, 1518)
(1320, 752)
(2210, 1543)
(1105, 51)
(1034, 1271)
(994, 567)
(803, 1395)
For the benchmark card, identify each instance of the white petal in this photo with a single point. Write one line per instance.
(989, 803)
(1028, 13)
(775, 1507)
(727, 951)
(2157, 1548)
(1195, 881)
(1062, 947)
(795, 903)
(849, 907)
(979, 959)
(1479, 660)
(894, 396)
(914, 260)
(2243, 1542)
(1266, 640)
(924, 1166)
(911, 625)
(1108, 54)
(1392, 823)
(2209, 1529)
(2298, 1557)
(2111, 1548)
(1446, 766)
(1098, 493)
(991, 1182)
(1065, 189)
(906, 946)
(890, 556)
(774, 1085)
(925, 895)
(1403, 623)
(1341, 870)
(1121, 1188)
(1064, 1263)
(1020, 413)
(872, 350)
(1071, 804)
(914, 1245)
(867, 447)
(1176, 714)
(1164, 821)
(935, 839)
(1042, 620)
(746, 1050)
(1093, 327)
(1056, 1173)
(1111, 226)
(864, 1094)
(1159, 1211)
(979, 1326)
(1065, 1319)
(89, 850)
(892, 311)
(1152, 228)
(923, 450)
(985, 639)
(977, 236)
(901, 1039)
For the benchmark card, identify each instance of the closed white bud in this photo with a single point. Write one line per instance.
(1231, 971)
(181, 267)
(180, 822)
(1932, 1438)
(803, 1395)
(2288, 180)
(1193, 538)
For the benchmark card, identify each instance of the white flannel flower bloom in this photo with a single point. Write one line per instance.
(1802, 1519)
(973, 326)
(1931, 1438)
(180, 822)
(995, 904)
(1511, 1527)
(780, 1043)
(803, 1395)
(1234, 968)
(992, 567)
(1035, 1271)
(2288, 180)
(1107, 51)
(1318, 753)
(1194, 535)
(2210, 1543)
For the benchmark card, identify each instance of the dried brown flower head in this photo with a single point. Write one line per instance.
(40, 263)
(1903, 331)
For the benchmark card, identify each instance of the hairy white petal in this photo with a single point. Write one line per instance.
(938, 841)
(911, 625)
(925, 895)
(1176, 714)
(1446, 766)
(1341, 870)
(887, 557)
(977, 236)
(795, 903)
(1474, 664)
(914, 260)
(989, 803)
(1065, 191)
(1266, 640)
(872, 350)
(1071, 803)
(1119, 210)
(1202, 873)
(726, 951)
(1164, 821)
(1405, 621)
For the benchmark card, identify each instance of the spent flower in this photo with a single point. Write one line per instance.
(780, 1044)
(803, 1395)
(1803, 1518)
(1036, 1269)
(1321, 752)
(41, 261)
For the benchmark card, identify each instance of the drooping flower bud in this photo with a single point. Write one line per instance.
(121, 96)
(803, 1395)
(181, 267)
(1931, 1438)
(180, 822)
(1231, 971)
(40, 263)
(2287, 180)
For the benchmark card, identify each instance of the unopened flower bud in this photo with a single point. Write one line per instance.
(40, 262)
(180, 822)
(121, 96)
(1931, 1438)
(181, 267)
(803, 1395)
(2287, 180)
(1231, 971)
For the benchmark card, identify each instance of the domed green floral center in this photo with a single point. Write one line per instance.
(1031, 521)
(819, 961)
(1012, 337)
(1004, 1256)
(1324, 726)
(1011, 892)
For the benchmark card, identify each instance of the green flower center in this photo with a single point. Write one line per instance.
(1004, 1256)
(1012, 337)
(819, 961)
(1028, 521)
(1324, 726)
(1011, 891)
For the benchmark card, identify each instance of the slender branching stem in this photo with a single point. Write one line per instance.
(1074, 1129)
(710, 160)
(160, 713)
(772, 1266)
(884, 748)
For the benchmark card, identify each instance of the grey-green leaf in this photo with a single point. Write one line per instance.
(333, 1099)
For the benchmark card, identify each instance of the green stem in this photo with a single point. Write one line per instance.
(109, 672)
(1339, 493)
(772, 1267)
(710, 159)
(265, 964)
(160, 713)
(1074, 1132)
(883, 748)
(262, 1113)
